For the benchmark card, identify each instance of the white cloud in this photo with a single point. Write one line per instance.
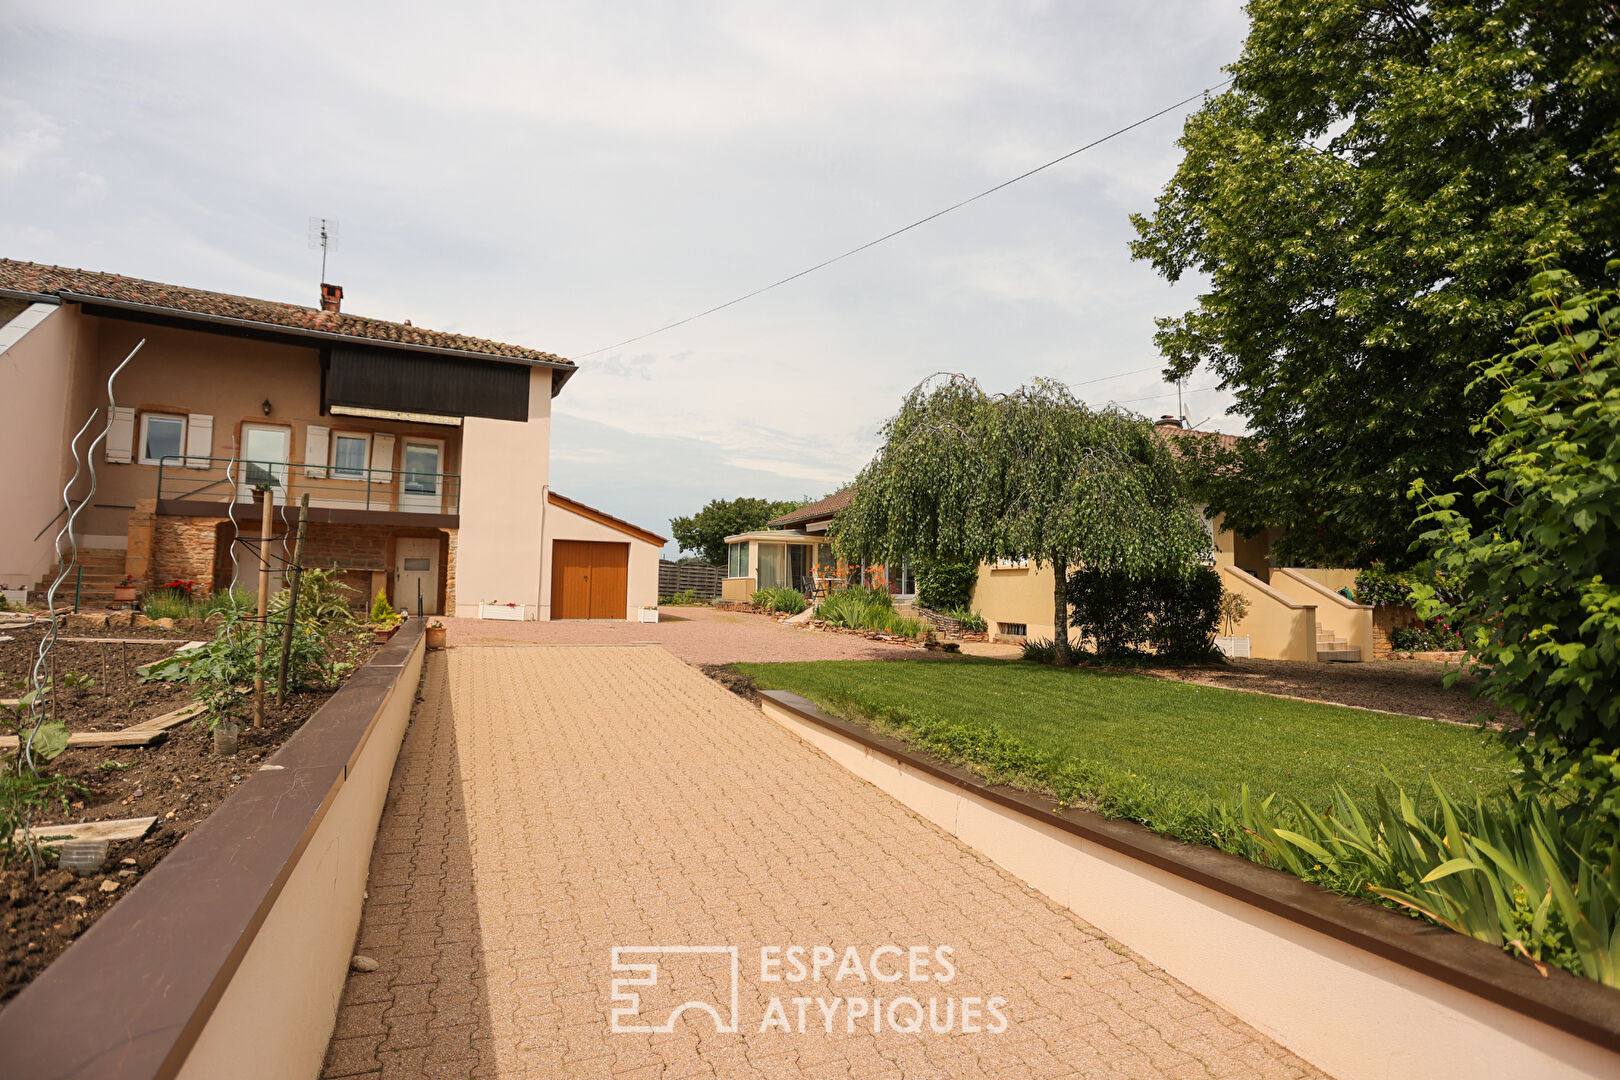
(573, 174)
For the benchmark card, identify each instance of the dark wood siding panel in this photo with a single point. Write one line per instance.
(417, 382)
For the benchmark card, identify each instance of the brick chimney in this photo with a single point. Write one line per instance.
(1167, 421)
(331, 297)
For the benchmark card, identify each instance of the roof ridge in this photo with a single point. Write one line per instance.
(48, 279)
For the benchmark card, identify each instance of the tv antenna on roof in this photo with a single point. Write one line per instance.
(323, 234)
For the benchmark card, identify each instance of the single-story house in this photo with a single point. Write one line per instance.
(425, 454)
(1295, 613)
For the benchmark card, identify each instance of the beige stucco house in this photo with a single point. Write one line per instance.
(1295, 613)
(426, 455)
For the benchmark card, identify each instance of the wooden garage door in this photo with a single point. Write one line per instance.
(589, 580)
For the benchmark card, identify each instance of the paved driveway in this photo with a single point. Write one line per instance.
(550, 804)
(698, 635)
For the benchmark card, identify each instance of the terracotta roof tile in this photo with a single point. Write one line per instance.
(30, 277)
(826, 508)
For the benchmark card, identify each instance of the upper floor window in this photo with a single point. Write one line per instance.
(162, 436)
(349, 454)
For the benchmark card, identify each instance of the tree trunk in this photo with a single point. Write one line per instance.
(1062, 656)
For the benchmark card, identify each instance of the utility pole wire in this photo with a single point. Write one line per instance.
(907, 228)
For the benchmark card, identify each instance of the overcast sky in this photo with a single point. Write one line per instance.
(566, 176)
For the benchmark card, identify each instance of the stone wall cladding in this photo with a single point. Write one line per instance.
(1388, 617)
(182, 549)
(450, 573)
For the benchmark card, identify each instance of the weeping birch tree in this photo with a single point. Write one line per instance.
(1035, 474)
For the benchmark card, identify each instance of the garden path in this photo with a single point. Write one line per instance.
(552, 803)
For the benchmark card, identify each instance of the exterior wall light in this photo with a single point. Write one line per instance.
(266, 406)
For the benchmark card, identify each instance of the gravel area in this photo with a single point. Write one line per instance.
(698, 635)
(1412, 687)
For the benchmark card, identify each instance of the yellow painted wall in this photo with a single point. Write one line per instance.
(1278, 628)
(1348, 620)
(738, 590)
(1021, 595)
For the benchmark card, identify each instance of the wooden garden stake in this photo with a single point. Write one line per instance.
(292, 601)
(264, 605)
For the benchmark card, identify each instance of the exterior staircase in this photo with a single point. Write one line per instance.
(103, 569)
(1329, 646)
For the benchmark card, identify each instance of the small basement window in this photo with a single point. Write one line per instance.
(349, 453)
(162, 436)
(1013, 629)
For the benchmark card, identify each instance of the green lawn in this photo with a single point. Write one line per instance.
(1140, 747)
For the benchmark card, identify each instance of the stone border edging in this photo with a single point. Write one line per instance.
(1578, 1006)
(131, 997)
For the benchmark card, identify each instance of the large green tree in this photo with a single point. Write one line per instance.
(967, 476)
(1363, 199)
(705, 532)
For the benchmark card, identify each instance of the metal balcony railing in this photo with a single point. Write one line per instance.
(220, 480)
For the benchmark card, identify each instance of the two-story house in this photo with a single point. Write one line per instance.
(425, 455)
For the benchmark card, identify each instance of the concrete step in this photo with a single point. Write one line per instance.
(1347, 654)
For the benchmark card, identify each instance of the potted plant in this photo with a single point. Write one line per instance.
(384, 619)
(1233, 607)
(436, 634)
(124, 591)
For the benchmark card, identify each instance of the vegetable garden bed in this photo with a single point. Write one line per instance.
(179, 779)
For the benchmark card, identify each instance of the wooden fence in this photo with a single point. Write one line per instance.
(700, 578)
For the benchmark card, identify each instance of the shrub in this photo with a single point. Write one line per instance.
(684, 598)
(1039, 650)
(382, 612)
(971, 621)
(942, 586)
(786, 601)
(860, 608)
(1539, 599)
(1521, 873)
(1391, 588)
(1174, 616)
(322, 599)
(1427, 637)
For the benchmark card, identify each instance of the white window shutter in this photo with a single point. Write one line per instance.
(120, 445)
(199, 440)
(382, 455)
(316, 440)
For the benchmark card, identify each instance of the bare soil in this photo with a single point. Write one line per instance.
(180, 781)
(1410, 687)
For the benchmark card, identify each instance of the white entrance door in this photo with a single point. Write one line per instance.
(421, 476)
(263, 462)
(416, 567)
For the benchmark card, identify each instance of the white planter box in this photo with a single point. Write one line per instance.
(502, 611)
(15, 597)
(1233, 646)
(649, 614)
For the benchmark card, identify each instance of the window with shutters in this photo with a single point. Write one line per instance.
(162, 436)
(349, 455)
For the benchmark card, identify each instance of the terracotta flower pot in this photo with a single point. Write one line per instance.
(436, 637)
(124, 594)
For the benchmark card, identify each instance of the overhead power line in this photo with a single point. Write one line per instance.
(907, 228)
(1168, 393)
(1121, 375)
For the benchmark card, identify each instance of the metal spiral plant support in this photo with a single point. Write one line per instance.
(36, 706)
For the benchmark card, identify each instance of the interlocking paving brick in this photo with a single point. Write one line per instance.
(550, 803)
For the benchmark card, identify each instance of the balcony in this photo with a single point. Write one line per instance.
(204, 487)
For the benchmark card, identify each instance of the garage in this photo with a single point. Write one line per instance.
(589, 579)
